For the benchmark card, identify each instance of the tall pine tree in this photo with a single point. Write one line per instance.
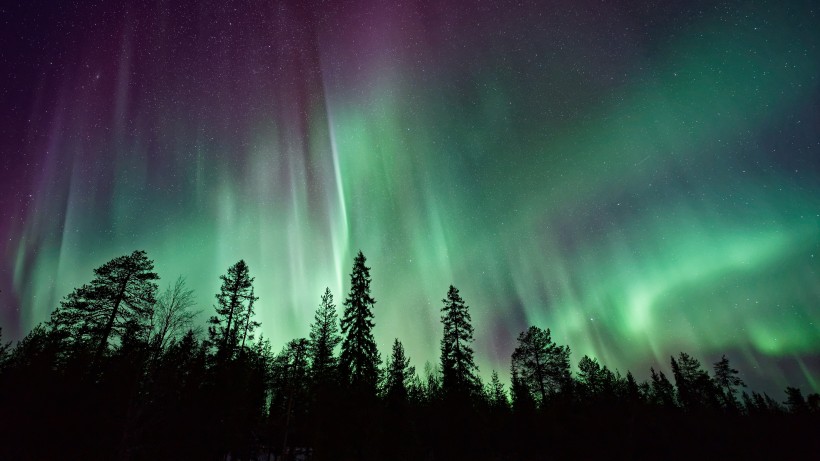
(459, 371)
(233, 323)
(359, 359)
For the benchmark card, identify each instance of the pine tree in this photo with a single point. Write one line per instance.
(119, 299)
(795, 401)
(696, 390)
(359, 359)
(324, 338)
(596, 380)
(541, 365)
(727, 380)
(234, 310)
(459, 371)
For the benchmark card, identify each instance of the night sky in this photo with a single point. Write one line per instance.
(642, 178)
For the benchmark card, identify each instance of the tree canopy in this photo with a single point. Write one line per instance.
(118, 299)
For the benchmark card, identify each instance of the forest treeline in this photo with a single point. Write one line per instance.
(121, 371)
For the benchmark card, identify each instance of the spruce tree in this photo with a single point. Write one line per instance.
(496, 394)
(399, 375)
(458, 369)
(324, 338)
(359, 359)
(396, 427)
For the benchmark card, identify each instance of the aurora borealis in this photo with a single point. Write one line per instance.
(640, 177)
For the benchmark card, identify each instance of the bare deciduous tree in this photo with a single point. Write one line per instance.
(172, 315)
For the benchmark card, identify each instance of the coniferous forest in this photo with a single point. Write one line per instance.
(122, 370)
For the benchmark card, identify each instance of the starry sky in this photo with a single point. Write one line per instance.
(642, 178)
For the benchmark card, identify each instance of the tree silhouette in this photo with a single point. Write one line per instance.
(813, 402)
(174, 418)
(696, 390)
(396, 428)
(33, 383)
(541, 365)
(663, 392)
(727, 380)
(597, 381)
(631, 389)
(496, 394)
(234, 310)
(324, 338)
(795, 401)
(359, 360)
(120, 298)
(432, 382)
(289, 398)
(761, 404)
(172, 316)
(236, 374)
(157, 391)
(399, 375)
(458, 370)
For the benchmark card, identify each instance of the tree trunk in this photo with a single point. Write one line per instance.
(109, 326)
